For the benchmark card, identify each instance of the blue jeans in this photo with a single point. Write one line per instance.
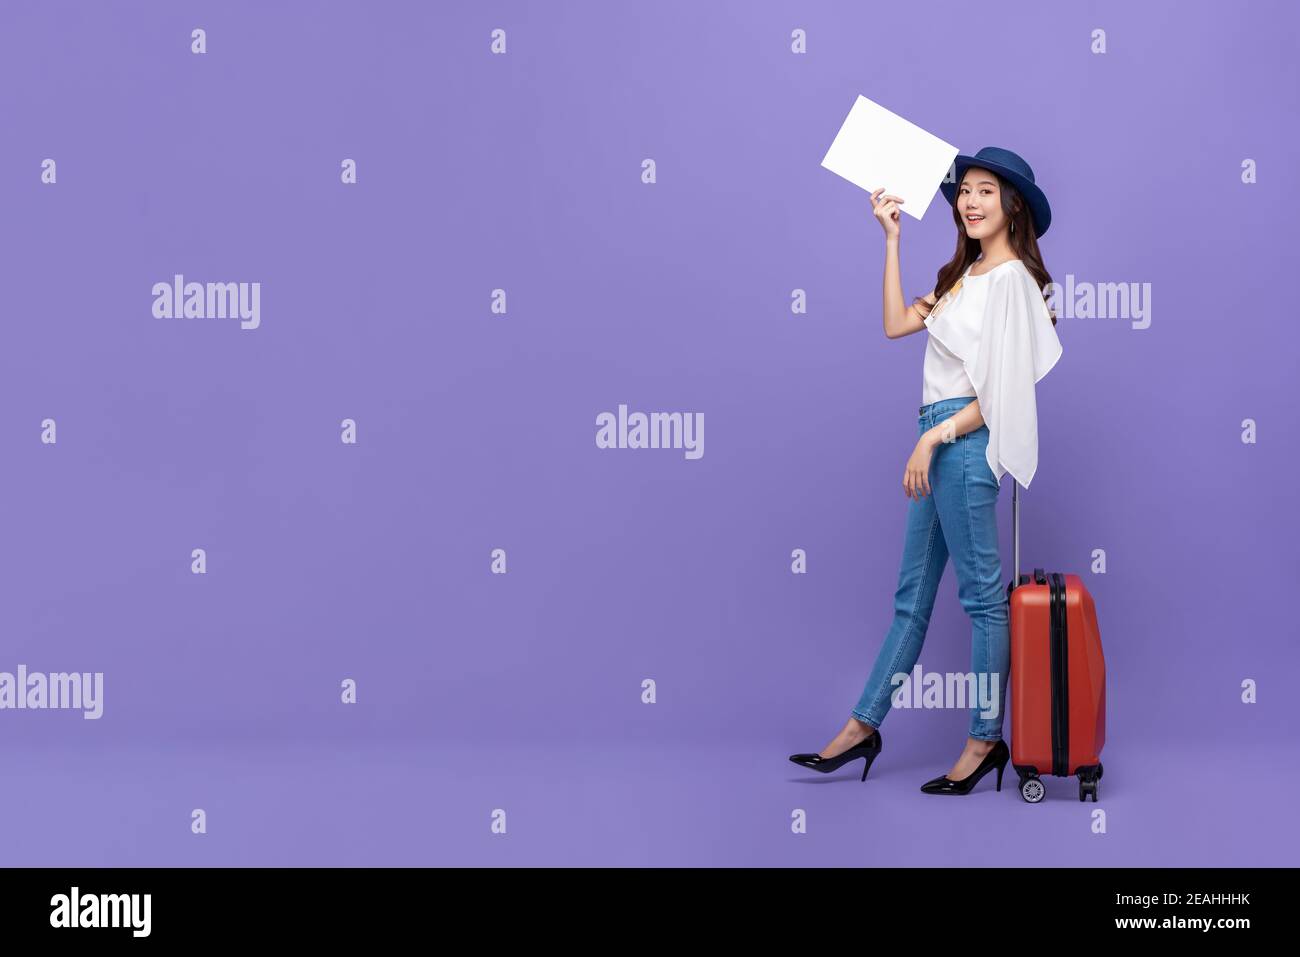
(958, 519)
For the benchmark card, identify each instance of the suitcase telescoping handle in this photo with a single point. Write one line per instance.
(1040, 576)
(1015, 531)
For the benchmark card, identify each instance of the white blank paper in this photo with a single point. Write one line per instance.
(876, 148)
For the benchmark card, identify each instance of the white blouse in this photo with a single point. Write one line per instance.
(991, 337)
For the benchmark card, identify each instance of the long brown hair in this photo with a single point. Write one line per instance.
(1024, 242)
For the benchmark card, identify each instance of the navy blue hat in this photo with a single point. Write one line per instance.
(1010, 167)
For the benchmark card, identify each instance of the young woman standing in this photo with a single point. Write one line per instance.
(991, 339)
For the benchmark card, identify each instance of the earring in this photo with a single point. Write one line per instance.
(1013, 227)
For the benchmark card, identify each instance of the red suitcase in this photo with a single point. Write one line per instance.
(1058, 678)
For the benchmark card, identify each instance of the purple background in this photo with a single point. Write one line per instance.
(476, 431)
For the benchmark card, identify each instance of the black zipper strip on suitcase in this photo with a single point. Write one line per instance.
(1059, 640)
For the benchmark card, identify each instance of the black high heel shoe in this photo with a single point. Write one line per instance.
(867, 748)
(997, 757)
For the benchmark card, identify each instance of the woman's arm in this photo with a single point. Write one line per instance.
(899, 320)
(967, 420)
(916, 474)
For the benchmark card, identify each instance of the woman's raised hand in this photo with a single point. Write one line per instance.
(886, 209)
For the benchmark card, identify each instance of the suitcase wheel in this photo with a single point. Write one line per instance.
(1032, 789)
(1088, 783)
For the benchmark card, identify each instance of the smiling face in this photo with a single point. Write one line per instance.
(979, 201)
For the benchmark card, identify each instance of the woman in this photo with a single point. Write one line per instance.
(991, 339)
